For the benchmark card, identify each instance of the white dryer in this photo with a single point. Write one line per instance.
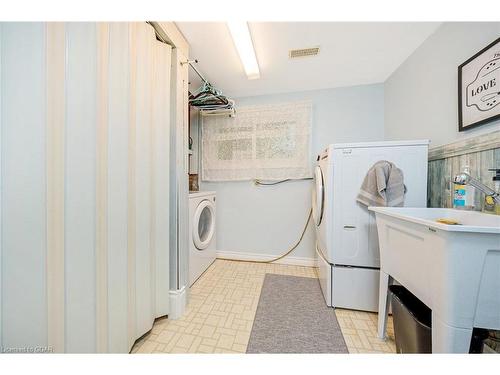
(202, 244)
(346, 233)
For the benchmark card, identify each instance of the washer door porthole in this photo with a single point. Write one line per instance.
(203, 224)
(318, 196)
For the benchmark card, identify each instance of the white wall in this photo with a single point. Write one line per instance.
(421, 95)
(268, 220)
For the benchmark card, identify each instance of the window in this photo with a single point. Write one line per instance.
(262, 142)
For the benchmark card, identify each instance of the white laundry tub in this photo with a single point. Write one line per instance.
(453, 269)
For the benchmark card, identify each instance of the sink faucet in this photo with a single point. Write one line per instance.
(465, 178)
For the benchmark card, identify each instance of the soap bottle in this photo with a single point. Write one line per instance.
(463, 197)
(459, 196)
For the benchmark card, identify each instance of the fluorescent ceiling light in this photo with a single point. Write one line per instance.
(243, 42)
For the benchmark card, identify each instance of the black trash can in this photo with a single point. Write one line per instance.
(479, 336)
(412, 322)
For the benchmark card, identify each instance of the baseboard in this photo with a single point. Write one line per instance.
(178, 302)
(289, 260)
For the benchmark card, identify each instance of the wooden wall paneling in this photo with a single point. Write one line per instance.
(442, 172)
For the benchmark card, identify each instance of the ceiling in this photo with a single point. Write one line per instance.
(354, 53)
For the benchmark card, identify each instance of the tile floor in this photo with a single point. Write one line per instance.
(222, 307)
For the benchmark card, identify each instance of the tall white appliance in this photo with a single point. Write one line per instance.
(346, 232)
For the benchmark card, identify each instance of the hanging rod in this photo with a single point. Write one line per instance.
(190, 62)
(156, 27)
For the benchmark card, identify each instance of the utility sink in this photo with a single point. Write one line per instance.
(469, 221)
(453, 269)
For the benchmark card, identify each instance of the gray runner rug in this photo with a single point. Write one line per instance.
(292, 317)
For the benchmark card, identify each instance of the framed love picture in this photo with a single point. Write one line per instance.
(479, 88)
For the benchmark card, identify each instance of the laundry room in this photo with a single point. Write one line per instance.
(217, 185)
(296, 172)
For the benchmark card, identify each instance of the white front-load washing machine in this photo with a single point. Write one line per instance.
(348, 258)
(202, 244)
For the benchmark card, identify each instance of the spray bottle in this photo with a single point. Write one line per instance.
(489, 204)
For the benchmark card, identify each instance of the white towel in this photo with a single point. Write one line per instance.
(383, 186)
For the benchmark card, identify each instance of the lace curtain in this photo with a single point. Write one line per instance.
(269, 142)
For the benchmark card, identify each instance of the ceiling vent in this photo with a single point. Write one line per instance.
(304, 52)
